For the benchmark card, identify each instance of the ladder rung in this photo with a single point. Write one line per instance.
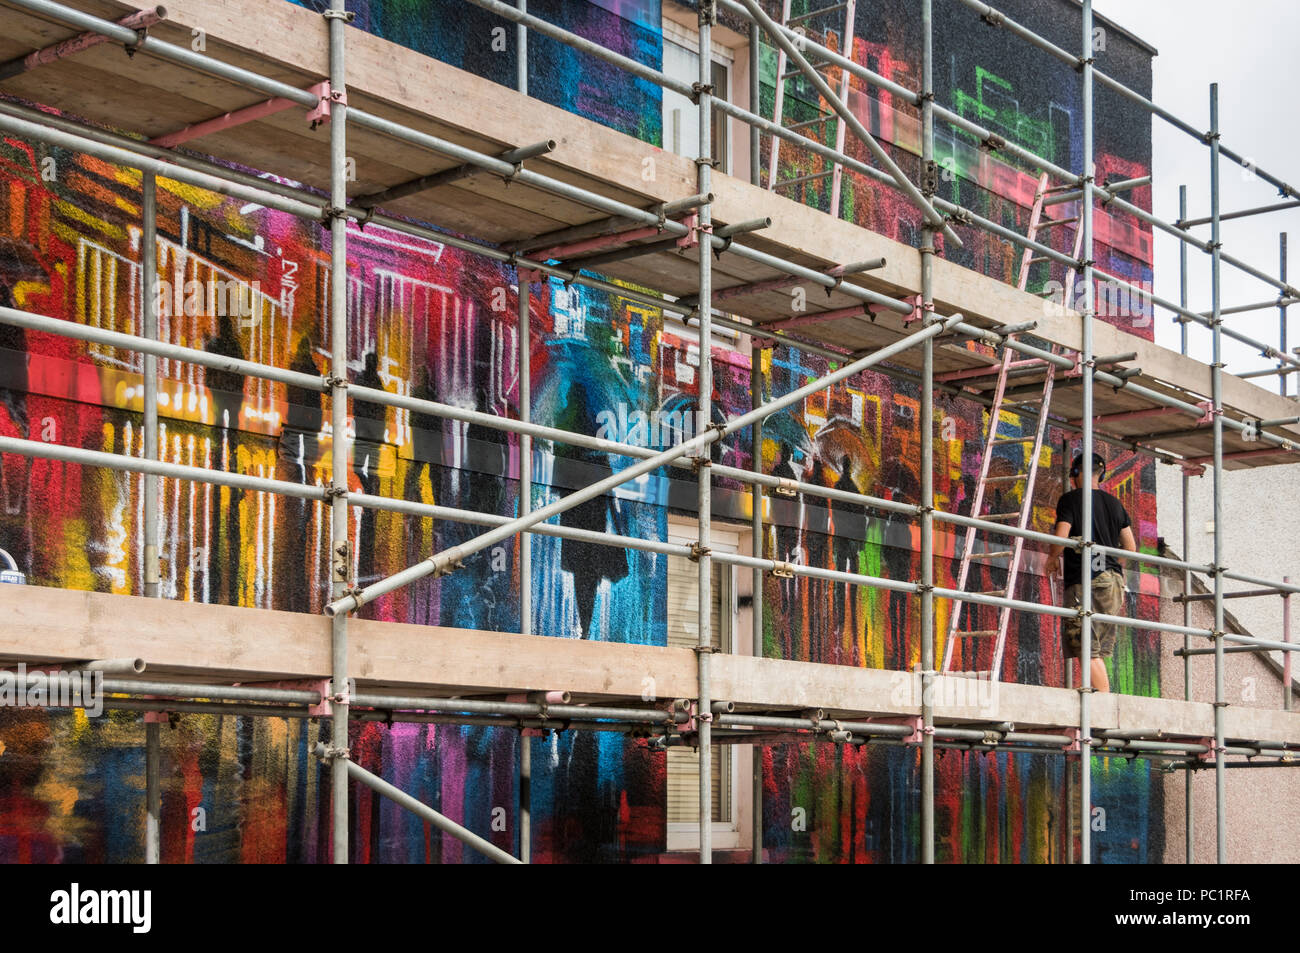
(815, 13)
(811, 122)
(986, 673)
(804, 178)
(1006, 479)
(999, 554)
(1000, 516)
(994, 592)
(798, 72)
(1037, 258)
(1049, 222)
(977, 634)
(1001, 441)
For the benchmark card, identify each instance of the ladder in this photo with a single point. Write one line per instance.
(845, 48)
(1028, 479)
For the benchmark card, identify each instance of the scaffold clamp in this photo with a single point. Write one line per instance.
(331, 752)
(786, 487)
(783, 570)
(693, 227)
(325, 97)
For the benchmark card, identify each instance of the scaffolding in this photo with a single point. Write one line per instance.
(685, 229)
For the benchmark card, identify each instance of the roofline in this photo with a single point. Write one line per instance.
(1112, 25)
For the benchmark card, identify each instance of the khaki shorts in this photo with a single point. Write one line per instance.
(1107, 599)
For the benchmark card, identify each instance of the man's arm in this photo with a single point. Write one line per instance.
(1053, 563)
(1127, 541)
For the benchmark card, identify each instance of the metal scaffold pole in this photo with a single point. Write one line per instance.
(525, 492)
(1286, 637)
(926, 423)
(756, 464)
(756, 549)
(340, 549)
(1087, 363)
(755, 94)
(1187, 540)
(521, 51)
(1281, 307)
(525, 556)
(1216, 394)
(149, 313)
(704, 167)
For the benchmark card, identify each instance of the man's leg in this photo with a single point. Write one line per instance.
(1108, 599)
(1100, 680)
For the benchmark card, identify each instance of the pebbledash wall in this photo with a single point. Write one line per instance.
(435, 322)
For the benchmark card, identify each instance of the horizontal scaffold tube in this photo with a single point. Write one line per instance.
(492, 707)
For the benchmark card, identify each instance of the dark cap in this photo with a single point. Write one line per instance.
(1098, 465)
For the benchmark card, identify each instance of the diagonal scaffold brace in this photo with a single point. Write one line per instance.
(443, 562)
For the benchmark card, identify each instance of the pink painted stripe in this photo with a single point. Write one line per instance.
(139, 20)
(595, 244)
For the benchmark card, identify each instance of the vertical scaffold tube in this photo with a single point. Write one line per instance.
(754, 95)
(1187, 542)
(926, 423)
(521, 51)
(1086, 359)
(704, 713)
(756, 545)
(340, 551)
(1216, 395)
(525, 491)
(756, 454)
(1281, 308)
(525, 555)
(152, 587)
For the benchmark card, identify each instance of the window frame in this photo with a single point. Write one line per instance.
(737, 833)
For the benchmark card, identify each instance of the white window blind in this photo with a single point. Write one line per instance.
(684, 632)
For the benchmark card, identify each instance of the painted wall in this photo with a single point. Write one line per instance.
(434, 322)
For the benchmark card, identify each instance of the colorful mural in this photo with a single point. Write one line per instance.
(434, 322)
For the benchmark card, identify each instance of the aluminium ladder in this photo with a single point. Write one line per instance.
(845, 48)
(1027, 479)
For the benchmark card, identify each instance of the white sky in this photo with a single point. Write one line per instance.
(1249, 48)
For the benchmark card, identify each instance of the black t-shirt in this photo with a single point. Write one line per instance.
(1108, 518)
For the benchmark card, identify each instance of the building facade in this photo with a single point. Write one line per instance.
(439, 323)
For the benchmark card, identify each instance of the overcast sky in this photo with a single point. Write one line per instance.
(1249, 49)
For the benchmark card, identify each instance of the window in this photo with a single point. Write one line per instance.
(680, 115)
(731, 765)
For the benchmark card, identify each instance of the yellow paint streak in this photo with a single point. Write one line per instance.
(22, 289)
(80, 725)
(103, 226)
(190, 194)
